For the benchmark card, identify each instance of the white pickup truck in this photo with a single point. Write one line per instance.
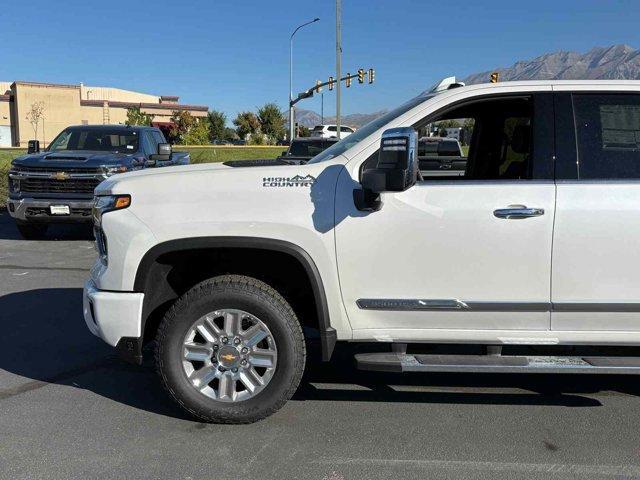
(531, 258)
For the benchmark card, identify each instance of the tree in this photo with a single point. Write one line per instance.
(136, 117)
(189, 130)
(272, 122)
(34, 115)
(303, 131)
(182, 122)
(448, 124)
(217, 122)
(246, 124)
(199, 133)
(229, 134)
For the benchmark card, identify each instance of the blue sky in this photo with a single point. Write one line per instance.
(233, 55)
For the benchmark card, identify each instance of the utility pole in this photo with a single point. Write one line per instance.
(322, 108)
(338, 61)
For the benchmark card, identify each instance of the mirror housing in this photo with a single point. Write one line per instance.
(164, 153)
(396, 170)
(33, 146)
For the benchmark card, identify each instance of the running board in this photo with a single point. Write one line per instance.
(401, 362)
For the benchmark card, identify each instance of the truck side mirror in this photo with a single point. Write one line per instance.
(396, 170)
(164, 153)
(33, 146)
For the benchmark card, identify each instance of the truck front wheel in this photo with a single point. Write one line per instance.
(230, 350)
(31, 231)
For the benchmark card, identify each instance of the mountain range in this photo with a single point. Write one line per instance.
(617, 62)
(310, 119)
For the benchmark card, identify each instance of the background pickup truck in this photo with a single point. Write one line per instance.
(302, 150)
(56, 185)
(441, 157)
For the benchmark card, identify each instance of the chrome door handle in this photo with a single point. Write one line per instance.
(518, 211)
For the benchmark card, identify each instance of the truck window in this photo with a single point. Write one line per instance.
(495, 142)
(148, 144)
(492, 141)
(107, 139)
(608, 135)
(158, 136)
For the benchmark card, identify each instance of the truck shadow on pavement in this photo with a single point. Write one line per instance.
(8, 230)
(44, 340)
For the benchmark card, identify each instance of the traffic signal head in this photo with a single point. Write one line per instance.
(372, 75)
(348, 80)
(361, 75)
(318, 87)
(330, 83)
(495, 76)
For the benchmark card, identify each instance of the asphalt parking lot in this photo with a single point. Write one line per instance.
(70, 409)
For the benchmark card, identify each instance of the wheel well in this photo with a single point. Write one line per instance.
(173, 273)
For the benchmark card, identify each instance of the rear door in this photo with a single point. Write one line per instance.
(596, 248)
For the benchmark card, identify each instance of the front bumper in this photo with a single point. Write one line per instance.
(116, 318)
(39, 210)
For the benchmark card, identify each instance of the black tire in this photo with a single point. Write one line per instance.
(252, 296)
(32, 231)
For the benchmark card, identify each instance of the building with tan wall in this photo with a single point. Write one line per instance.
(66, 105)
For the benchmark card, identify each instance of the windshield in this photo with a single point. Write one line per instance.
(306, 148)
(116, 140)
(362, 133)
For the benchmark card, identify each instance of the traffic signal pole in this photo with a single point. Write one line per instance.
(338, 61)
(334, 83)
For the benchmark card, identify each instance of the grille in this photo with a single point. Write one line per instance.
(50, 185)
(49, 170)
(45, 212)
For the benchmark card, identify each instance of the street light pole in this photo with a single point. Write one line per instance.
(338, 61)
(291, 126)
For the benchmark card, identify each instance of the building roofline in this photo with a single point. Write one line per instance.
(158, 106)
(44, 84)
(92, 103)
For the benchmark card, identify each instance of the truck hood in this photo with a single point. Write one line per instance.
(72, 159)
(179, 178)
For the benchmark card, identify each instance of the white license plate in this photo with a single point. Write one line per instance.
(59, 210)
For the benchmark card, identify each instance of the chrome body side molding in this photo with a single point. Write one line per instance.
(414, 304)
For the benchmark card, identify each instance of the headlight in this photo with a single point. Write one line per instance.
(107, 203)
(14, 184)
(102, 205)
(108, 171)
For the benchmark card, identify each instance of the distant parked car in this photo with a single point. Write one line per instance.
(330, 131)
(239, 142)
(220, 141)
(302, 150)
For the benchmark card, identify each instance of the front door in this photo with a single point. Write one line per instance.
(470, 251)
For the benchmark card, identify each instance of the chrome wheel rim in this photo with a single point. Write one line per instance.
(229, 355)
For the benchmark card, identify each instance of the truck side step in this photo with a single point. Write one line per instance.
(402, 362)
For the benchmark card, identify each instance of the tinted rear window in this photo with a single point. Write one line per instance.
(608, 135)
